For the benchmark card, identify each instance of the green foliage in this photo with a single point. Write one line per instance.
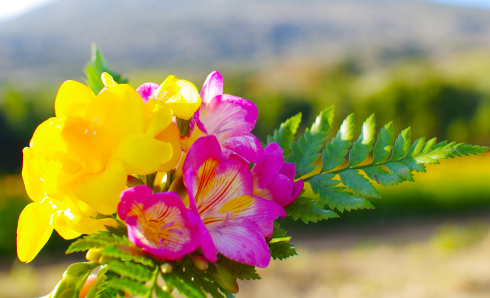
(306, 151)
(73, 280)
(284, 135)
(388, 162)
(309, 210)
(279, 245)
(239, 270)
(95, 68)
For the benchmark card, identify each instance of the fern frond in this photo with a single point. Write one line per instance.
(131, 270)
(284, 135)
(239, 270)
(309, 210)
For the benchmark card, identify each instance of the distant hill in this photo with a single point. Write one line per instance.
(53, 42)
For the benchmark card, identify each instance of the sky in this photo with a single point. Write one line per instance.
(12, 8)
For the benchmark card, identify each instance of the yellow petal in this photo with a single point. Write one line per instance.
(73, 99)
(188, 141)
(160, 116)
(64, 231)
(101, 191)
(35, 226)
(142, 154)
(115, 113)
(171, 135)
(83, 224)
(32, 173)
(181, 96)
(107, 80)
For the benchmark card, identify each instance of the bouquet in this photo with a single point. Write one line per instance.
(167, 190)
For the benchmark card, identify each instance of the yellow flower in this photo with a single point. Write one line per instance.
(77, 163)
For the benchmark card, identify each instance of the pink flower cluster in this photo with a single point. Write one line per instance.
(229, 207)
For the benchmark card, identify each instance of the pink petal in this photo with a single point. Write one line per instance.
(289, 170)
(278, 191)
(297, 189)
(265, 171)
(146, 90)
(273, 149)
(247, 146)
(159, 223)
(212, 86)
(226, 116)
(241, 241)
(203, 149)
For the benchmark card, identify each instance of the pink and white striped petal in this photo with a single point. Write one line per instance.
(212, 86)
(159, 223)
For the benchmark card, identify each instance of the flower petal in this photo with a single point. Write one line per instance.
(159, 223)
(179, 95)
(72, 100)
(278, 191)
(247, 146)
(226, 116)
(32, 173)
(35, 226)
(212, 86)
(101, 191)
(142, 154)
(242, 241)
(146, 90)
(114, 114)
(171, 135)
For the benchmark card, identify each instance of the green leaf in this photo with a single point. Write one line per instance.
(336, 196)
(382, 176)
(282, 250)
(131, 270)
(358, 183)
(364, 144)
(239, 270)
(335, 151)
(128, 253)
(184, 285)
(98, 240)
(73, 280)
(383, 147)
(95, 68)
(401, 169)
(306, 151)
(309, 210)
(284, 135)
(125, 284)
(204, 279)
(402, 145)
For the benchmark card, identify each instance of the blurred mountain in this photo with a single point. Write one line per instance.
(53, 41)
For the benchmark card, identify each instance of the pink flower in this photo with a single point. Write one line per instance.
(274, 178)
(233, 221)
(229, 118)
(159, 223)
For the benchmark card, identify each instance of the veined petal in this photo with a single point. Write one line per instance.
(179, 95)
(241, 240)
(171, 136)
(101, 191)
(73, 99)
(36, 223)
(203, 149)
(142, 154)
(246, 145)
(212, 86)
(226, 116)
(159, 223)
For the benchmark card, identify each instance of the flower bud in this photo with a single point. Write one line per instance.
(94, 254)
(200, 262)
(105, 259)
(166, 268)
(226, 279)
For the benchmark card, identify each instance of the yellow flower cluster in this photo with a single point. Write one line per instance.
(78, 161)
